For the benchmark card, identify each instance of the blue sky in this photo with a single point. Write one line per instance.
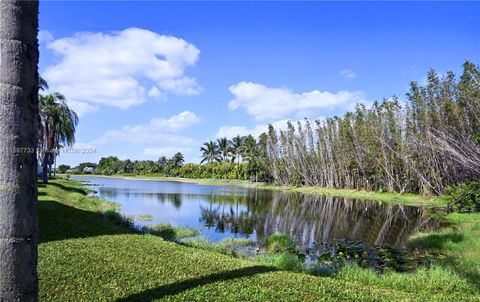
(150, 78)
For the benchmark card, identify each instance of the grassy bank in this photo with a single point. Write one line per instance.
(459, 243)
(84, 256)
(388, 197)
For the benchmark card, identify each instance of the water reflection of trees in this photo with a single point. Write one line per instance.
(313, 219)
(308, 218)
(227, 217)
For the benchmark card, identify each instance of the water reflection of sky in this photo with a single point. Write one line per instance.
(177, 203)
(227, 211)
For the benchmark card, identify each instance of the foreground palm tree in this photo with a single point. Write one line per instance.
(18, 142)
(57, 126)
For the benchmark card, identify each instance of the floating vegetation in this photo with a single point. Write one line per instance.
(329, 258)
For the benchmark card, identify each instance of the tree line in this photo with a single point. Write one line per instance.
(238, 158)
(422, 146)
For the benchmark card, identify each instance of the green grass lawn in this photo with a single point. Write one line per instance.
(83, 256)
(388, 197)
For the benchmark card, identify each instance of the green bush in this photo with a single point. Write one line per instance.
(213, 170)
(464, 197)
(280, 243)
(284, 261)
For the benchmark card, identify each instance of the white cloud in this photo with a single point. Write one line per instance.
(232, 131)
(160, 131)
(44, 36)
(166, 151)
(264, 103)
(155, 93)
(348, 74)
(120, 69)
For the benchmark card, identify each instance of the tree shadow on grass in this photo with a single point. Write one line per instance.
(66, 188)
(181, 286)
(436, 241)
(58, 222)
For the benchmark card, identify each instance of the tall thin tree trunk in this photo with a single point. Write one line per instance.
(18, 141)
(45, 169)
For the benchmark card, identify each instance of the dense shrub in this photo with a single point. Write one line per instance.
(213, 170)
(280, 243)
(464, 197)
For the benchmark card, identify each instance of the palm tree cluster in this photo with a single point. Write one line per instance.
(57, 125)
(225, 150)
(422, 146)
(239, 149)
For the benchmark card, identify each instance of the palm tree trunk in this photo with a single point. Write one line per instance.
(18, 141)
(45, 169)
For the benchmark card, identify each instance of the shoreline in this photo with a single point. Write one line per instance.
(387, 197)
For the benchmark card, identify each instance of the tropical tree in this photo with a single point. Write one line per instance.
(110, 165)
(210, 152)
(224, 147)
(252, 154)
(57, 126)
(18, 142)
(63, 168)
(237, 146)
(177, 160)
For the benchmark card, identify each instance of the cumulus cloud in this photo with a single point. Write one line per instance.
(166, 151)
(159, 131)
(120, 69)
(232, 131)
(348, 74)
(44, 36)
(265, 103)
(257, 130)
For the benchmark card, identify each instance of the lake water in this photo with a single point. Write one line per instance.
(228, 211)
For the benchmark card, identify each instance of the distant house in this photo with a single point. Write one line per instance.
(88, 170)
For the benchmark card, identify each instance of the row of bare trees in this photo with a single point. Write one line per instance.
(422, 146)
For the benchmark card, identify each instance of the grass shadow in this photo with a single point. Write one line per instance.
(473, 277)
(436, 241)
(181, 286)
(58, 222)
(68, 188)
